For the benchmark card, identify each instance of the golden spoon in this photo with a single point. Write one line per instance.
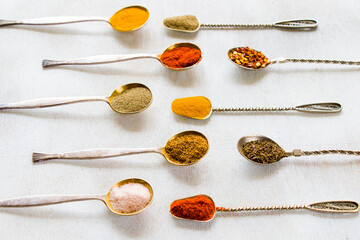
(263, 150)
(328, 207)
(119, 58)
(175, 23)
(32, 201)
(200, 108)
(285, 60)
(113, 100)
(114, 152)
(67, 19)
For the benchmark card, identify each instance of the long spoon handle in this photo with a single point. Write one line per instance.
(322, 152)
(93, 153)
(311, 108)
(296, 24)
(328, 61)
(97, 59)
(50, 102)
(32, 201)
(51, 20)
(328, 206)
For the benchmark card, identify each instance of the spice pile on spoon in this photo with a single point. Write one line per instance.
(125, 20)
(127, 197)
(202, 208)
(199, 107)
(180, 56)
(248, 58)
(183, 149)
(190, 24)
(263, 150)
(130, 98)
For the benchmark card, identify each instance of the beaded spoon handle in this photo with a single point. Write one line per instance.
(329, 61)
(300, 23)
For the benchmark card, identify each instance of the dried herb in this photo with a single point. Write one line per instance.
(131, 100)
(187, 23)
(263, 151)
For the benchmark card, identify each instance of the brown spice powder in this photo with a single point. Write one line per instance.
(132, 100)
(263, 151)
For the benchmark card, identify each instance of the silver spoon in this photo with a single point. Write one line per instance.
(286, 60)
(294, 24)
(68, 19)
(115, 152)
(52, 102)
(182, 104)
(119, 58)
(324, 207)
(277, 156)
(34, 201)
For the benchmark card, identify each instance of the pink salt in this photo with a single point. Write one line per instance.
(129, 198)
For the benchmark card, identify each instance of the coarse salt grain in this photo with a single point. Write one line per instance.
(129, 198)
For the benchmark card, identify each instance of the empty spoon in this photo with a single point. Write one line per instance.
(200, 108)
(248, 58)
(190, 24)
(124, 57)
(32, 201)
(119, 101)
(327, 207)
(188, 148)
(263, 150)
(122, 14)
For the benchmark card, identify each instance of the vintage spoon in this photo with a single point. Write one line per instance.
(277, 156)
(114, 152)
(51, 102)
(119, 58)
(67, 19)
(327, 207)
(285, 60)
(294, 24)
(203, 105)
(32, 201)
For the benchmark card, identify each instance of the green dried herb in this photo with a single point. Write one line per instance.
(263, 151)
(187, 22)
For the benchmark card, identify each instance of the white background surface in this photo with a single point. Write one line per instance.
(223, 173)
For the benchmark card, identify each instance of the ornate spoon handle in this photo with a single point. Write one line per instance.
(313, 108)
(50, 102)
(33, 201)
(97, 59)
(329, 206)
(285, 60)
(51, 20)
(298, 24)
(93, 153)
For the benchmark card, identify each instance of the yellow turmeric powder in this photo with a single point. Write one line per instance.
(129, 18)
(192, 107)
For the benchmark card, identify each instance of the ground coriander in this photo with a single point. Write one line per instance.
(186, 22)
(131, 100)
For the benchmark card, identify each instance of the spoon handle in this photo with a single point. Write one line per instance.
(328, 206)
(97, 59)
(319, 108)
(285, 60)
(50, 102)
(252, 109)
(92, 153)
(51, 20)
(32, 201)
(322, 152)
(297, 24)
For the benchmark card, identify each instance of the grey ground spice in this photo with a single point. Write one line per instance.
(187, 148)
(186, 22)
(263, 151)
(132, 100)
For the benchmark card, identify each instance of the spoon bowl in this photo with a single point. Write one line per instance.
(239, 65)
(242, 141)
(126, 181)
(125, 8)
(183, 30)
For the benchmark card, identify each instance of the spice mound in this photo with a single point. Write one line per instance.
(198, 208)
(248, 57)
(185, 23)
(263, 151)
(131, 100)
(181, 57)
(129, 198)
(129, 19)
(192, 107)
(186, 149)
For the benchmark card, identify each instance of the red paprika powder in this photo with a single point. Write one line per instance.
(199, 208)
(181, 57)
